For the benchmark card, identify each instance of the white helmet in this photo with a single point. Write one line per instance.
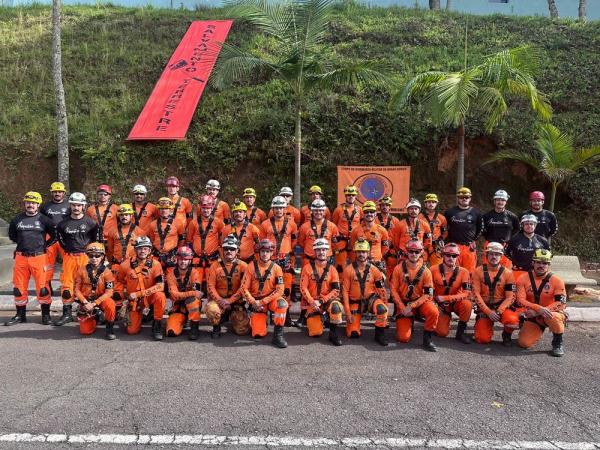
(139, 189)
(501, 194)
(278, 202)
(318, 204)
(214, 184)
(529, 218)
(230, 241)
(495, 247)
(413, 202)
(286, 191)
(77, 198)
(142, 241)
(321, 243)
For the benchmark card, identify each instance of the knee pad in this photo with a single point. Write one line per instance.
(44, 292)
(17, 292)
(381, 309)
(66, 294)
(281, 303)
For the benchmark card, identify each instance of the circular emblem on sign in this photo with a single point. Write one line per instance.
(373, 186)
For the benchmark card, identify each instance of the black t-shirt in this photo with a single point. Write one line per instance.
(56, 211)
(500, 227)
(520, 249)
(464, 225)
(547, 225)
(75, 234)
(29, 232)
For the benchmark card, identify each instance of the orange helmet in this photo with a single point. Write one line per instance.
(185, 253)
(414, 244)
(451, 249)
(207, 201)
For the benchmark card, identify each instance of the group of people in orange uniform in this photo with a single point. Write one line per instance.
(237, 263)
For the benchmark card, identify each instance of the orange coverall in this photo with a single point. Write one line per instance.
(183, 292)
(97, 289)
(451, 290)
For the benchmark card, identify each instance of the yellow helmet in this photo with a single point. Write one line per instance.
(431, 198)
(95, 247)
(239, 206)
(386, 200)
(57, 186)
(543, 255)
(362, 246)
(165, 203)
(315, 190)
(369, 206)
(464, 192)
(33, 197)
(249, 192)
(350, 190)
(125, 208)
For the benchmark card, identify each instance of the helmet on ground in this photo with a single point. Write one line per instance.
(139, 189)
(451, 249)
(213, 184)
(536, 195)
(95, 247)
(142, 241)
(413, 202)
(414, 244)
(494, 247)
(231, 241)
(87, 324)
(431, 198)
(249, 192)
(165, 203)
(239, 206)
(104, 188)
(369, 206)
(125, 208)
(33, 197)
(529, 218)
(321, 243)
(57, 186)
(185, 253)
(207, 201)
(278, 202)
(350, 190)
(464, 192)
(362, 245)
(318, 204)
(386, 200)
(264, 244)
(315, 190)
(286, 191)
(77, 198)
(501, 194)
(542, 255)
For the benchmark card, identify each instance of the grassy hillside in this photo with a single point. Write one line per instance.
(113, 56)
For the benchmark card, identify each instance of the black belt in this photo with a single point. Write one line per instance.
(30, 254)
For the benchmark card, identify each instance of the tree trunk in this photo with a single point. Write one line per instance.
(460, 171)
(553, 9)
(59, 92)
(553, 195)
(298, 158)
(434, 4)
(582, 16)
(448, 5)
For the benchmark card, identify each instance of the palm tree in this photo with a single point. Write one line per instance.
(582, 17)
(299, 29)
(553, 9)
(452, 97)
(59, 92)
(555, 157)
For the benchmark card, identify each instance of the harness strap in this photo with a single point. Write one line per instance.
(537, 292)
(491, 284)
(411, 283)
(448, 284)
(262, 278)
(362, 280)
(229, 276)
(320, 279)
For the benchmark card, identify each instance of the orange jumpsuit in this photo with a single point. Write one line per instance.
(165, 235)
(346, 218)
(283, 234)
(534, 292)
(494, 290)
(411, 229)
(95, 286)
(145, 278)
(184, 286)
(438, 225)
(263, 282)
(390, 223)
(205, 237)
(364, 291)
(378, 239)
(255, 215)
(306, 215)
(145, 214)
(413, 287)
(105, 216)
(320, 281)
(311, 231)
(224, 283)
(451, 291)
(247, 235)
(183, 209)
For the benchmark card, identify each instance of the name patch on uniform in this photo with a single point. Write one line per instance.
(279, 280)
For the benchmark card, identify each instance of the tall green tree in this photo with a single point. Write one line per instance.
(554, 156)
(300, 57)
(451, 98)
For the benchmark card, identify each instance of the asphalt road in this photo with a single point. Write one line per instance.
(54, 381)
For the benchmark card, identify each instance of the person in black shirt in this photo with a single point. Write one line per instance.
(28, 230)
(499, 225)
(522, 246)
(547, 225)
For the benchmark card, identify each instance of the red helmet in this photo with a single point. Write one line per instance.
(185, 253)
(414, 244)
(172, 181)
(536, 195)
(451, 249)
(207, 201)
(264, 244)
(105, 188)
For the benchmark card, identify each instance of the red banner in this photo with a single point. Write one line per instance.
(171, 106)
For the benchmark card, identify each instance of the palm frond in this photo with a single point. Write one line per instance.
(312, 20)
(272, 18)
(523, 156)
(235, 64)
(454, 94)
(586, 156)
(359, 74)
(492, 103)
(416, 88)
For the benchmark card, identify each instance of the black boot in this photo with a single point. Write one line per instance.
(557, 345)
(427, 343)
(288, 319)
(110, 331)
(380, 336)
(66, 316)
(278, 340)
(45, 314)
(157, 330)
(194, 331)
(19, 317)
(216, 332)
(460, 333)
(334, 335)
(506, 339)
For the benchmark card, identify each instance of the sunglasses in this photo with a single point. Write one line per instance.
(414, 252)
(450, 256)
(229, 249)
(463, 197)
(95, 255)
(139, 193)
(102, 193)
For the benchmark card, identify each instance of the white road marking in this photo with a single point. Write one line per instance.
(291, 441)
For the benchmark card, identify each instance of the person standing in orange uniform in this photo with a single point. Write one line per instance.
(316, 193)
(452, 290)
(317, 227)
(544, 298)
(182, 207)
(291, 212)
(412, 292)
(346, 217)
(221, 208)
(438, 225)
(145, 212)
(246, 233)
(390, 223)
(377, 237)
(165, 233)
(254, 214)
(411, 228)
(494, 291)
(104, 211)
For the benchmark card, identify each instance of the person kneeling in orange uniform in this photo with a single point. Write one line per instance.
(412, 292)
(544, 296)
(494, 292)
(94, 284)
(363, 290)
(143, 279)
(185, 283)
(263, 288)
